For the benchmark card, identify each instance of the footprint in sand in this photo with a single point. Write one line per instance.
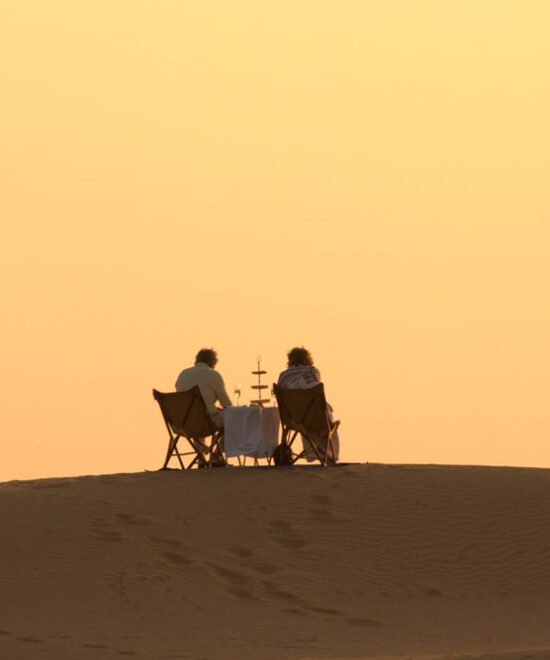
(238, 583)
(366, 623)
(324, 610)
(239, 592)
(320, 513)
(290, 543)
(130, 519)
(273, 591)
(229, 574)
(279, 524)
(321, 499)
(434, 593)
(240, 552)
(176, 558)
(263, 567)
(285, 536)
(248, 562)
(106, 535)
(170, 542)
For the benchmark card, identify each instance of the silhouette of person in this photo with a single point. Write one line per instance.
(210, 382)
(302, 374)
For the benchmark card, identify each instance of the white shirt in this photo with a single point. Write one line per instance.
(210, 383)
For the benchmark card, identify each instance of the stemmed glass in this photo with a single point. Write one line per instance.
(237, 392)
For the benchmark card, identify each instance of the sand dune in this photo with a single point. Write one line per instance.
(350, 562)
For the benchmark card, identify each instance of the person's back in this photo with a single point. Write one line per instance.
(299, 377)
(209, 381)
(302, 375)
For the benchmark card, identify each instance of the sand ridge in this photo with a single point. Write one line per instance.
(347, 562)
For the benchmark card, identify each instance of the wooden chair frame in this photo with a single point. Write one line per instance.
(305, 411)
(185, 415)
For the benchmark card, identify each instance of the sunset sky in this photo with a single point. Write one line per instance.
(367, 178)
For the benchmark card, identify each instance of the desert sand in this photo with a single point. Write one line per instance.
(357, 561)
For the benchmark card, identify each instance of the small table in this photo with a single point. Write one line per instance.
(250, 431)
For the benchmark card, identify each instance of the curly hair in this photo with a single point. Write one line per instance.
(208, 356)
(299, 356)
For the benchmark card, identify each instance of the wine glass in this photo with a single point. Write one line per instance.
(237, 392)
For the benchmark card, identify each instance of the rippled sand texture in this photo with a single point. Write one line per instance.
(349, 562)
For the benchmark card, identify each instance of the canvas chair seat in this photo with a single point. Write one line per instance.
(185, 416)
(305, 411)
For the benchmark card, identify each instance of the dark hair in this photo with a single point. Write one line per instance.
(208, 356)
(299, 356)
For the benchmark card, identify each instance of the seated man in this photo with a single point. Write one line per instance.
(301, 374)
(209, 381)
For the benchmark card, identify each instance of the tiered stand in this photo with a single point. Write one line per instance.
(260, 401)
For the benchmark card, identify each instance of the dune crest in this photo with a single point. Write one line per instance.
(357, 561)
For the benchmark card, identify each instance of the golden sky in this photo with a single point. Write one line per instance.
(367, 178)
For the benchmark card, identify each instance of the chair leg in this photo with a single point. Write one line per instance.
(296, 456)
(172, 444)
(179, 459)
(328, 445)
(195, 460)
(206, 457)
(318, 453)
(330, 440)
(292, 437)
(217, 454)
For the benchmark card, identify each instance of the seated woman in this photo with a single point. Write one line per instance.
(301, 374)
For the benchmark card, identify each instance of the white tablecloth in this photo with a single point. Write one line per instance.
(250, 431)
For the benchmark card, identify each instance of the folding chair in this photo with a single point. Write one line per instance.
(305, 411)
(185, 415)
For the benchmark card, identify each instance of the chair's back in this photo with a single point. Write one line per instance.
(185, 413)
(303, 410)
